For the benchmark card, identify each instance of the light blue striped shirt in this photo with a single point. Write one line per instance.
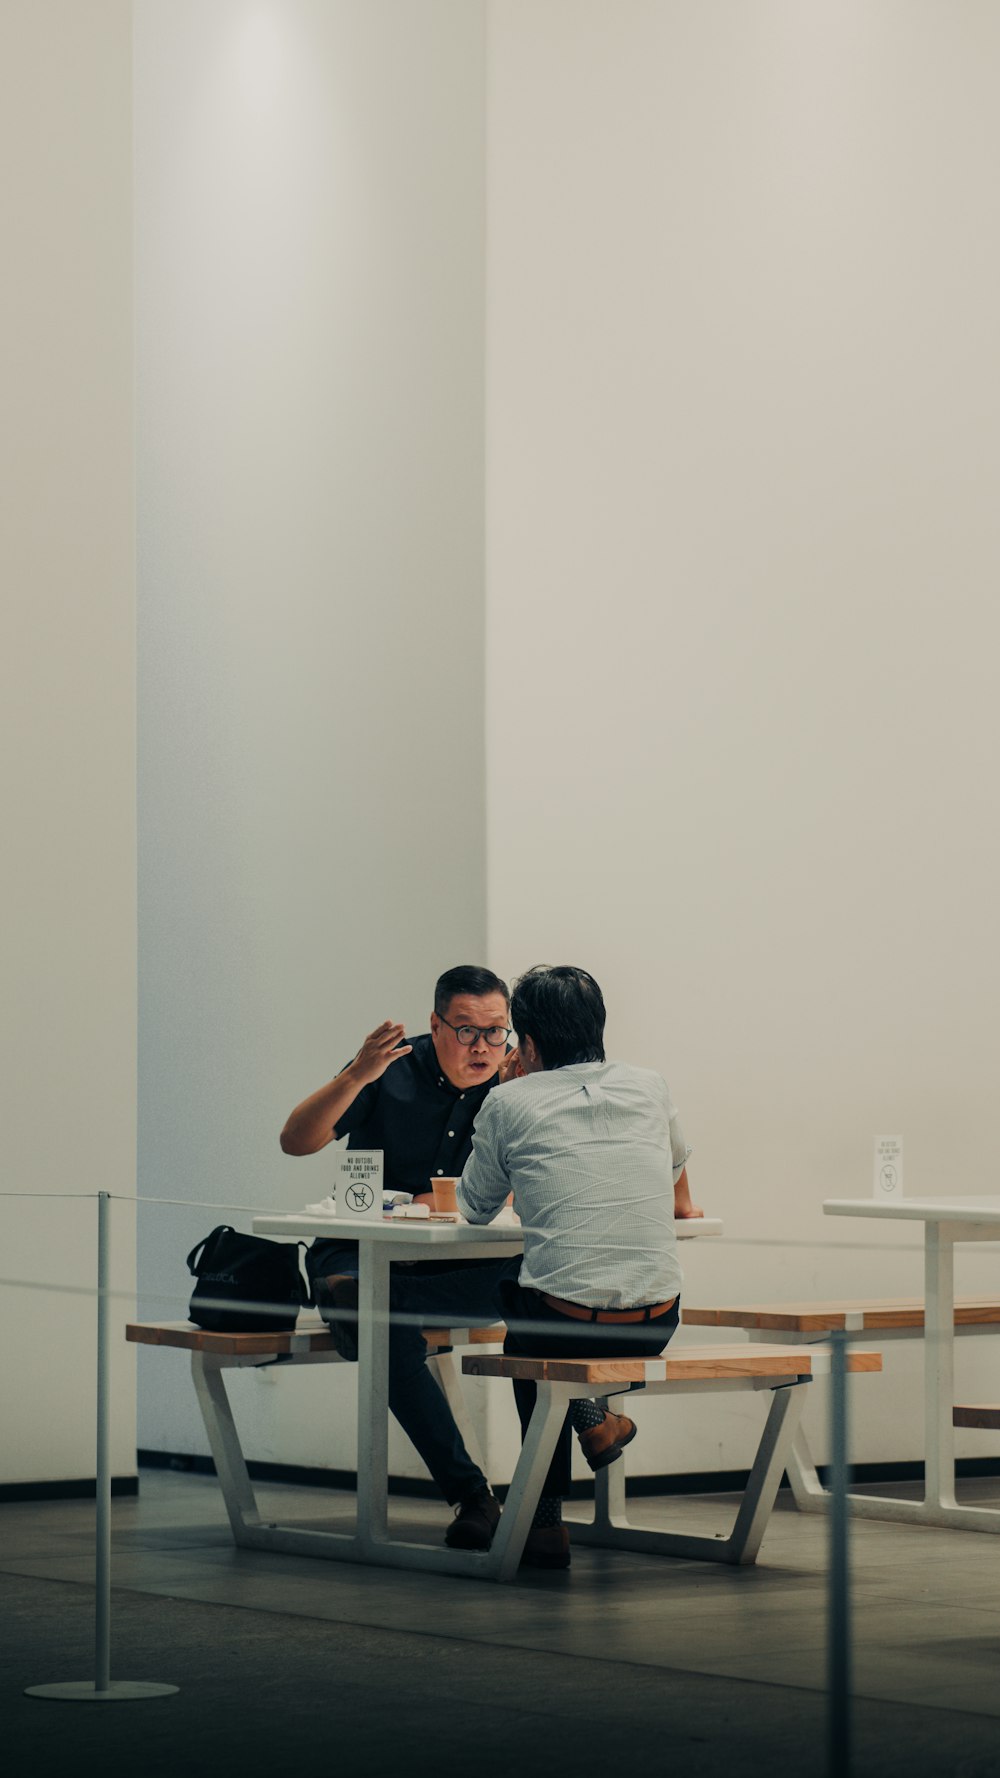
(591, 1153)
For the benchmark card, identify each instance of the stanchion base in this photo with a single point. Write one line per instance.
(85, 1690)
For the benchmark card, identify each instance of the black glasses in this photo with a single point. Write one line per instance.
(495, 1035)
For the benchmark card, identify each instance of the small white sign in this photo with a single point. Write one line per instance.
(888, 1167)
(359, 1185)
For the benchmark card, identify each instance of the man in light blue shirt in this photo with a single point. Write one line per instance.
(594, 1155)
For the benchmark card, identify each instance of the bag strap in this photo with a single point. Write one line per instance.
(196, 1257)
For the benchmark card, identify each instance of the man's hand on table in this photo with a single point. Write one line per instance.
(684, 1210)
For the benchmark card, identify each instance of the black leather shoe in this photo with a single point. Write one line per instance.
(546, 1548)
(337, 1301)
(474, 1523)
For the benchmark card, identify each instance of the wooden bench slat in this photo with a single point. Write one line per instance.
(697, 1364)
(189, 1338)
(985, 1415)
(801, 1318)
(309, 1335)
(562, 1370)
(788, 1320)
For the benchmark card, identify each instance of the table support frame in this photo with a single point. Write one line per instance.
(938, 1505)
(610, 1527)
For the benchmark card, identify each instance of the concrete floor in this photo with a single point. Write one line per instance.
(624, 1661)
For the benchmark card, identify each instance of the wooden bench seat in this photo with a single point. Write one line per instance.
(309, 1338)
(891, 1318)
(887, 1315)
(309, 1343)
(779, 1370)
(983, 1415)
(706, 1364)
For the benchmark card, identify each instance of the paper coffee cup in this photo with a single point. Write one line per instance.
(445, 1202)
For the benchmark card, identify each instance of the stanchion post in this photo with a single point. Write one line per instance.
(839, 1598)
(102, 1689)
(102, 1567)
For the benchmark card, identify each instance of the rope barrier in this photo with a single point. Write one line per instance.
(609, 1331)
(103, 1688)
(804, 1246)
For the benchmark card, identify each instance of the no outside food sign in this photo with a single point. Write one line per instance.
(359, 1184)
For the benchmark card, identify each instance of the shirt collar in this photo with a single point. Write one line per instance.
(426, 1055)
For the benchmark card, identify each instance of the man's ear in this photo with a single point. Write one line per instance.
(528, 1051)
(435, 1024)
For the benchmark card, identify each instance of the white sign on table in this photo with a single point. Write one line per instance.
(888, 1184)
(359, 1185)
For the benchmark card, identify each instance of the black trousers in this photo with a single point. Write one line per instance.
(536, 1330)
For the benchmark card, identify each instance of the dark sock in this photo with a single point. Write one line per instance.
(585, 1414)
(548, 1512)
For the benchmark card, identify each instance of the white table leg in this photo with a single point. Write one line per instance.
(613, 1530)
(373, 1394)
(610, 1508)
(540, 1441)
(224, 1444)
(808, 1491)
(939, 1366)
(765, 1477)
(445, 1371)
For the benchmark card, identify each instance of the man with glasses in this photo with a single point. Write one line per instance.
(417, 1101)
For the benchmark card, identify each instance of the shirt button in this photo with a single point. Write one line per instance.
(440, 1172)
(451, 1132)
(461, 1095)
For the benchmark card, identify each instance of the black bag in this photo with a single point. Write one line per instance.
(260, 1279)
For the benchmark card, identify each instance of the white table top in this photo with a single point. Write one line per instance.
(416, 1230)
(964, 1209)
(423, 1233)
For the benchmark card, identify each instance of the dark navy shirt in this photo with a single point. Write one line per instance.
(420, 1120)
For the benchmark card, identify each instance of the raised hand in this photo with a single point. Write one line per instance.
(510, 1066)
(379, 1050)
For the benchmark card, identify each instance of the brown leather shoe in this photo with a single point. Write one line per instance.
(604, 1444)
(546, 1548)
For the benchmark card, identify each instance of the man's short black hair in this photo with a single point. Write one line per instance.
(466, 978)
(562, 1011)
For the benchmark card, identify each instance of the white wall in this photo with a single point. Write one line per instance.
(741, 446)
(310, 225)
(67, 709)
(743, 449)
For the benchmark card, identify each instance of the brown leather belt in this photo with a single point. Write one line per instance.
(577, 1312)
